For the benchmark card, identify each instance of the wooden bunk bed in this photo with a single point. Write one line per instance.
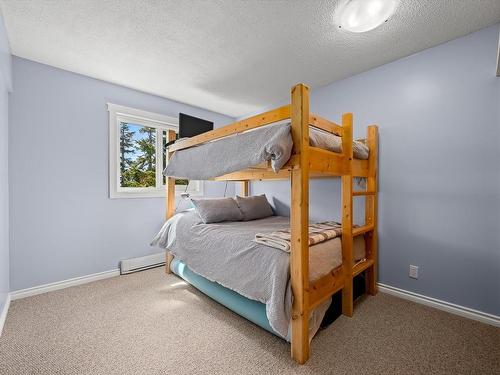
(309, 162)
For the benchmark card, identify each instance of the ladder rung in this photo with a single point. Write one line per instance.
(357, 231)
(354, 193)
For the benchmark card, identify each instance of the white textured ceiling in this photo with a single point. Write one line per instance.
(231, 56)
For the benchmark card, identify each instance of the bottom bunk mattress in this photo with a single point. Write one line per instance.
(225, 253)
(251, 310)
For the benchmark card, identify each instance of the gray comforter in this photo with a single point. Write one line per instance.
(234, 153)
(225, 253)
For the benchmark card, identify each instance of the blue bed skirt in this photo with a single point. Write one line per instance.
(247, 308)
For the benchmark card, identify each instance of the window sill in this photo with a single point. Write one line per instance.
(149, 194)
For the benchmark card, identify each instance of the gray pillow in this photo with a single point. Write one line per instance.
(217, 209)
(254, 208)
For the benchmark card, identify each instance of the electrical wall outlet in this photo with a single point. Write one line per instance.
(413, 272)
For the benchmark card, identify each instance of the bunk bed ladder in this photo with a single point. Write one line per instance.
(369, 229)
(371, 210)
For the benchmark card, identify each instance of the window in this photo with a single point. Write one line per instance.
(137, 141)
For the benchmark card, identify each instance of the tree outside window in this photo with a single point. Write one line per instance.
(137, 154)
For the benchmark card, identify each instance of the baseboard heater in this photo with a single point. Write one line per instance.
(142, 263)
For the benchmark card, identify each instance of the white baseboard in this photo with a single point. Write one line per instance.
(442, 305)
(28, 292)
(3, 313)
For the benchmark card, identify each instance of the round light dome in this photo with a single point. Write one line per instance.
(360, 16)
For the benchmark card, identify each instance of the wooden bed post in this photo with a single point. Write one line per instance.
(299, 222)
(245, 185)
(371, 209)
(169, 202)
(347, 238)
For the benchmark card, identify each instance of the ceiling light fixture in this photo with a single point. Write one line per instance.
(359, 16)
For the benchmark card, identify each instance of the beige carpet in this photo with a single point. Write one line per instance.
(148, 323)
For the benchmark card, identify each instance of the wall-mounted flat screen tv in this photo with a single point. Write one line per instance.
(190, 126)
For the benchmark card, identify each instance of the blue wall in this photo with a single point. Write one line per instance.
(439, 118)
(5, 87)
(439, 202)
(63, 224)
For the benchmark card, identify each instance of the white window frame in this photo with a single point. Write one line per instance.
(119, 114)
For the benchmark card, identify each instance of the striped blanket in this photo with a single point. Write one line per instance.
(318, 232)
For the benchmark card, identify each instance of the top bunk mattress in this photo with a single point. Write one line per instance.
(244, 150)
